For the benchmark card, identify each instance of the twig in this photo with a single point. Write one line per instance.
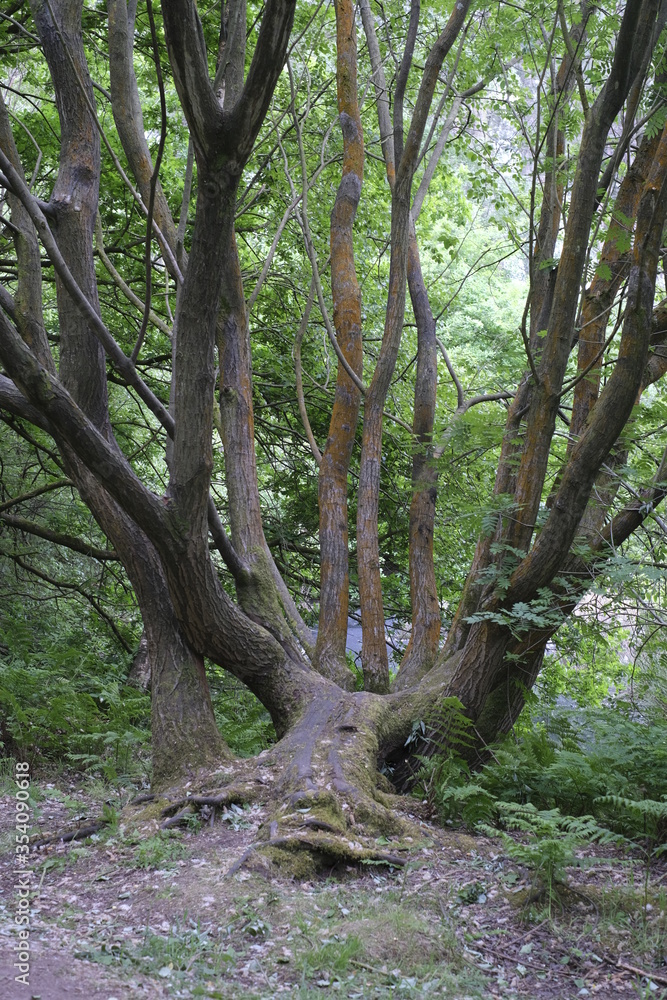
(633, 968)
(521, 961)
(176, 820)
(317, 454)
(121, 284)
(65, 838)
(524, 937)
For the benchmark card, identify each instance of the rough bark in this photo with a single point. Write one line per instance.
(425, 617)
(184, 733)
(331, 741)
(542, 265)
(333, 487)
(422, 648)
(532, 415)
(614, 406)
(261, 590)
(634, 36)
(128, 116)
(374, 650)
(602, 291)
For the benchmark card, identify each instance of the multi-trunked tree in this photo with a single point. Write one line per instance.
(593, 346)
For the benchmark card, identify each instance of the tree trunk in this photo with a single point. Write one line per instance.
(333, 488)
(422, 648)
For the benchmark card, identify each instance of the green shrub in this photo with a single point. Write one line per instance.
(63, 701)
(241, 717)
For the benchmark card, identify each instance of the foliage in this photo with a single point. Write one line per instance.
(63, 697)
(583, 761)
(591, 770)
(159, 851)
(548, 841)
(243, 720)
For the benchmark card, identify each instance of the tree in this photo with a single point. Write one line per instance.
(556, 514)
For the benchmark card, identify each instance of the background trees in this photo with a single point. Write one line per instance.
(330, 307)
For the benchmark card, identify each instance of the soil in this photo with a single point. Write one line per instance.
(131, 913)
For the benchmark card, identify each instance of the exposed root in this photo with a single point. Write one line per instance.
(140, 799)
(328, 850)
(179, 812)
(65, 838)
(179, 819)
(319, 790)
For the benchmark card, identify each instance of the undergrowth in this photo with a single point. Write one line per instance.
(569, 774)
(64, 701)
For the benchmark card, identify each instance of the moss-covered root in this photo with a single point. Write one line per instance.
(179, 812)
(320, 786)
(304, 854)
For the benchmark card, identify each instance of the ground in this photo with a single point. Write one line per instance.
(133, 913)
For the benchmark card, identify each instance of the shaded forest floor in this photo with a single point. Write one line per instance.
(124, 915)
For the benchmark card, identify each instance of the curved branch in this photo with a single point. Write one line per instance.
(156, 320)
(303, 326)
(58, 538)
(112, 348)
(38, 492)
(75, 588)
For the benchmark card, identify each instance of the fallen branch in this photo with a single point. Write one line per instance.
(66, 838)
(147, 797)
(617, 964)
(178, 819)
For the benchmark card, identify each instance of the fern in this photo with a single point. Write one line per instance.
(646, 818)
(549, 842)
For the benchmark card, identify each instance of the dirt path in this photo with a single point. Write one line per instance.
(157, 917)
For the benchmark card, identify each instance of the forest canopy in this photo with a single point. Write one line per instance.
(322, 314)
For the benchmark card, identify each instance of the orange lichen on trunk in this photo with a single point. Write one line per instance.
(600, 295)
(334, 571)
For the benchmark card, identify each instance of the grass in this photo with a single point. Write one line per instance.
(160, 851)
(159, 910)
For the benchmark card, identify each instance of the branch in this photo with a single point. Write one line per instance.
(128, 116)
(217, 133)
(303, 326)
(234, 563)
(13, 400)
(436, 57)
(402, 79)
(121, 284)
(460, 396)
(77, 589)
(154, 181)
(71, 425)
(164, 243)
(57, 537)
(312, 256)
(631, 517)
(576, 62)
(38, 492)
(112, 348)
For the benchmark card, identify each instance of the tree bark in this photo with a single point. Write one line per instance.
(184, 734)
(128, 116)
(374, 650)
(333, 488)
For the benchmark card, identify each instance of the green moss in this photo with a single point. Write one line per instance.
(152, 811)
(297, 864)
(322, 807)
